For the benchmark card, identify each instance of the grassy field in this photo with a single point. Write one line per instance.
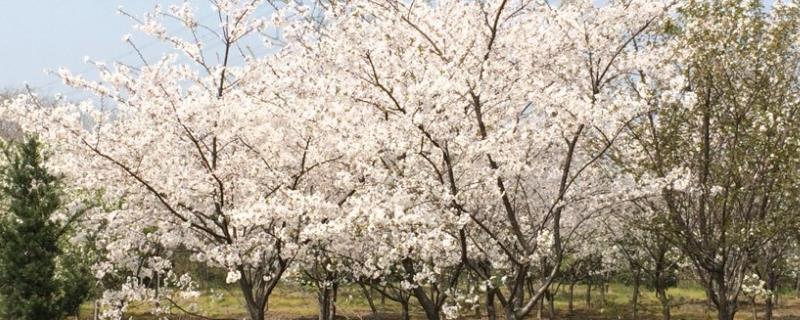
(290, 302)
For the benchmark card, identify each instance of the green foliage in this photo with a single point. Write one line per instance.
(76, 280)
(37, 280)
(30, 238)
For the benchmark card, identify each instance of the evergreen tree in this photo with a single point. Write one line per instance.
(30, 196)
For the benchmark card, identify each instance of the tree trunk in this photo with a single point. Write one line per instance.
(326, 296)
(511, 312)
(368, 296)
(776, 297)
(323, 303)
(635, 297)
(405, 315)
(768, 307)
(725, 311)
(772, 286)
(256, 314)
(551, 306)
(430, 306)
(603, 290)
(588, 295)
(255, 305)
(491, 313)
(540, 312)
(571, 307)
(335, 297)
(518, 297)
(797, 285)
(661, 293)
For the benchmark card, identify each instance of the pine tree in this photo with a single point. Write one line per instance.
(30, 196)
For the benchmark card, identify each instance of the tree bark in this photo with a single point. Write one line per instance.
(661, 293)
(326, 300)
(635, 297)
(551, 306)
(431, 310)
(588, 295)
(430, 306)
(256, 314)
(255, 305)
(405, 315)
(772, 286)
(726, 308)
(368, 296)
(797, 285)
(725, 311)
(491, 313)
(603, 291)
(540, 311)
(768, 307)
(571, 307)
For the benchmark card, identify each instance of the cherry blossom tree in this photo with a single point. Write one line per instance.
(417, 146)
(207, 152)
(482, 128)
(724, 154)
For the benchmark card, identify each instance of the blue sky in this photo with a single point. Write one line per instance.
(47, 34)
(37, 35)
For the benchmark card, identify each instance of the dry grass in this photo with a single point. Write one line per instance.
(291, 302)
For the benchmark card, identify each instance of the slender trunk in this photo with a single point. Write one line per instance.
(571, 307)
(405, 315)
(726, 308)
(772, 286)
(368, 296)
(753, 304)
(551, 307)
(491, 313)
(768, 307)
(588, 295)
(334, 292)
(661, 293)
(603, 291)
(326, 297)
(635, 297)
(430, 306)
(797, 285)
(540, 310)
(510, 312)
(255, 305)
(519, 296)
(323, 303)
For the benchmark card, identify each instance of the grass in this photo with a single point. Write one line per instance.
(293, 302)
